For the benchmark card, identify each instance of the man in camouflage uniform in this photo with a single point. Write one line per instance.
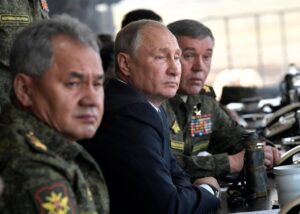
(14, 16)
(57, 100)
(205, 140)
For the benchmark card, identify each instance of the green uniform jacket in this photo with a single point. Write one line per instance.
(199, 125)
(43, 172)
(14, 16)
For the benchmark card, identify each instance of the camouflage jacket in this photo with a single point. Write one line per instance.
(14, 16)
(43, 172)
(200, 124)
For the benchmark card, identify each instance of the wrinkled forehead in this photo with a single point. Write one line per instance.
(157, 36)
(187, 42)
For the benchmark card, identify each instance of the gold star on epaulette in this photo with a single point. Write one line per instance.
(35, 141)
(175, 127)
(206, 88)
(198, 112)
(89, 194)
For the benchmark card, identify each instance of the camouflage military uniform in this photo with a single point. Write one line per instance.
(43, 172)
(14, 16)
(199, 125)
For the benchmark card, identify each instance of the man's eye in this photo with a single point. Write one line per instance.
(72, 84)
(98, 84)
(207, 57)
(160, 57)
(177, 57)
(188, 56)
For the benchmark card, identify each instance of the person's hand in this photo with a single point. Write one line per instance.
(208, 180)
(272, 155)
(236, 161)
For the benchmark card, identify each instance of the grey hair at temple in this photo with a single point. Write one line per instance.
(32, 51)
(191, 28)
(128, 38)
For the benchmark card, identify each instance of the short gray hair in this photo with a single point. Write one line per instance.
(191, 28)
(128, 38)
(32, 51)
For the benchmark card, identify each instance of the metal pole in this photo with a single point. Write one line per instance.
(260, 65)
(228, 44)
(283, 41)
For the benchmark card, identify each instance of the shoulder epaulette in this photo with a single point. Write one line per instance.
(34, 142)
(208, 90)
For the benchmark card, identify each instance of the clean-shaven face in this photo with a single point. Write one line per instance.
(195, 63)
(69, 96)
(155, 68)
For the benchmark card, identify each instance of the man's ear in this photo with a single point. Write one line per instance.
(124, 63)
(23, 88)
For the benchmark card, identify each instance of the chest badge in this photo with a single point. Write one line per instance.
(201, 124)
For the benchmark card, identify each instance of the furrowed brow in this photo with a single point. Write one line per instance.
(76, 74)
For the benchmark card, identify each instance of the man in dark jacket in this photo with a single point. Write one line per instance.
(132, 144)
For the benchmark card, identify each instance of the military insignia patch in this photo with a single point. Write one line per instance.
(175, 144)
(54, 199)
(200, 146)
(175, 127)
(9, 19)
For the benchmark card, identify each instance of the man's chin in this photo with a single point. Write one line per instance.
(191, 91)
(86, 134)
(170, 95)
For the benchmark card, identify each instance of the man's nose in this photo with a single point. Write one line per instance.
(91, 96)
(175, 67)
(198, 64)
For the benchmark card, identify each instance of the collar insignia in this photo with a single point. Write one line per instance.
(35, 141)
(175, 127)
(206, 88)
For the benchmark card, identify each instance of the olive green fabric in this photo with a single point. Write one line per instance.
(14, 16)
(43, 171)
(213, 131)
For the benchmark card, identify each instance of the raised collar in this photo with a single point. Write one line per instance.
(26, 122)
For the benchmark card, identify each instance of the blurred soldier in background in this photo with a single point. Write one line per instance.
(139, 14)
(14, 16)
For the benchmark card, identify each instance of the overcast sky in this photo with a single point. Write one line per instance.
(172, 10)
